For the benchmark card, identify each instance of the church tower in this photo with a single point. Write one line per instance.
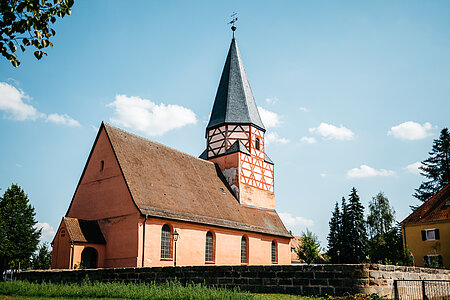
(235, 137)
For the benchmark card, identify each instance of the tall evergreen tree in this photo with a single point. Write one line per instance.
(381, 216)
(357, 235)
(42, 258)
(333, 235)
(436, 168)
(19, 237)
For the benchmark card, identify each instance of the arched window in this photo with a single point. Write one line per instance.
(209, 247)
(165, 242)
(257, 144)
(89, 258)
(244, 254)
(274, 252)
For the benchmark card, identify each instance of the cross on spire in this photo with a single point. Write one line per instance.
(233, 21)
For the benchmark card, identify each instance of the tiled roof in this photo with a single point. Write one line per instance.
(234, 103)
(437, 208)
(167, 183)
(84, 231)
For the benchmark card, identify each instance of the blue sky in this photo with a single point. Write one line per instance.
(352, 94)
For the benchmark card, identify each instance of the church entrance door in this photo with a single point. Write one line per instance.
(89, 258)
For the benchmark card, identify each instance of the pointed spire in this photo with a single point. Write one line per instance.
(234, 103)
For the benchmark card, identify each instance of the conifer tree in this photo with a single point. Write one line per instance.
(19, 237)
(436, 168)
(42, 259)
(356, 235)
(334, 242)
(346, 248)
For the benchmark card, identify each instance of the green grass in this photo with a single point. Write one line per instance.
(169, 290)
(23, 290)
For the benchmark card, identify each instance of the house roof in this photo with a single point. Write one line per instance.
(83, 231)
(234, 103)
(437, 208)
(167, 183)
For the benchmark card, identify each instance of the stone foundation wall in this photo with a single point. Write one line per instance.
(296, 279)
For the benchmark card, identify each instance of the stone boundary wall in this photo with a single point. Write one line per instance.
(326, 279)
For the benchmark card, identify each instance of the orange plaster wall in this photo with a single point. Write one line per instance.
(61, 253)
(103, 195)
(78, 249)
(191, 245)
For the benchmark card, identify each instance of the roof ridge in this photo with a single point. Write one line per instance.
(154, 142)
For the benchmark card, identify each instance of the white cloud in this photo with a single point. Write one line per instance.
(269, 118)
(271, 100)
(324, 174)
(12, 102)
(304, 109)
(414, 167)
(308, 140)
(48, 232)
(331, 132)
(291, 221)
(63, 119)
(149, 117)
(366, 171)
(272, 137)
(411, 131)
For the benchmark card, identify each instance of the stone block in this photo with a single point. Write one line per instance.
(304, 274)
(300, 282)
(311, 290)
(285, 281)
(375, 274)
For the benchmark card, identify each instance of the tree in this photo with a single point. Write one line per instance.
(334, 239)
(381, 216)
(356, 235)
(436, 168)
(42, 259)
(309, 248)
(19, 237)
(25, 23)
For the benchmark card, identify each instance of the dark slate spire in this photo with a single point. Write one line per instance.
(234, 103)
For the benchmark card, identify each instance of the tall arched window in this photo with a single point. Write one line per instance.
(244, 254)
(257, 144)
(274, 252)
(209, 247)
(165, 242)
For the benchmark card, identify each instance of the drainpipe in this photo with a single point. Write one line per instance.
(71, 259)
(143, 241)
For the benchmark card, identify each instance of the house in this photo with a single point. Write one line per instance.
(142, 204)
(426, 232)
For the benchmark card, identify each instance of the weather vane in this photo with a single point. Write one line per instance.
(233, 21)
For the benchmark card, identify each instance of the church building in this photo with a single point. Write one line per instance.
(142, 204)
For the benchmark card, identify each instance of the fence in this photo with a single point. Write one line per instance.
(422, 289)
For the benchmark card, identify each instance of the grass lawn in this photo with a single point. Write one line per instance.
(172, 290)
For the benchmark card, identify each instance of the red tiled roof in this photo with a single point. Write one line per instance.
(167, 183)
(437, 208)
(84, 231)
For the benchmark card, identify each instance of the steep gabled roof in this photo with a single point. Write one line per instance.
(83, 231)
(234, 103)
(167, 183)
(437, 208)
(237, 146)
